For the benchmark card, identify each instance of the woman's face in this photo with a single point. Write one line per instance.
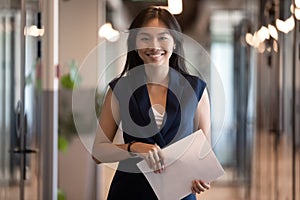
(154, 43)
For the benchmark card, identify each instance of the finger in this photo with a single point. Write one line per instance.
(153, 160)
(205, 185)
(156, 157)
(193, 190)
(195, 187)
(157, 165)
(150, 160)
(199, 186)
(161, 158)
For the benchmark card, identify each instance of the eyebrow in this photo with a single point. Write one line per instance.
(164, 33)
(147, 34)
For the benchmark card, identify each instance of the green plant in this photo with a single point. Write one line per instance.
(61, 195)
(72, 79)
(66, 125)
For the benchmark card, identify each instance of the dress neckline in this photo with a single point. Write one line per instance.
(158, 110)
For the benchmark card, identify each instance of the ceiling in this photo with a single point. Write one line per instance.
(193, 11)
(194, 20)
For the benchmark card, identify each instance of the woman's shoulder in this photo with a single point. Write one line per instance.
(113, 82)
(118, 80)
(197, 84)
(194, 80)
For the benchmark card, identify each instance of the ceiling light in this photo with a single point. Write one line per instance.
(263, 34)
(255, 40)
(248, 38)
(106, 31)
(297, 13)
(275, 46)
(292, 8)
(175, 6)
(273, 31)
(285, 26)
(261, 47)
(297, 3)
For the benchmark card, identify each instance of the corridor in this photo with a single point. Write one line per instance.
(57, 58)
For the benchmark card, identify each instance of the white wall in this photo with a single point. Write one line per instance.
(78, 36)
(78, 28)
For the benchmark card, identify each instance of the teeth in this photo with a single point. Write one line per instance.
(154, 54)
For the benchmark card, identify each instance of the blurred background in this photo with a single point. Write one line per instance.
(246, 50)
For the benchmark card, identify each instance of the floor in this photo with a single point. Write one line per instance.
(225, 188)
(228, 192)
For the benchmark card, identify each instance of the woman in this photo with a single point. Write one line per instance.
(156, 100)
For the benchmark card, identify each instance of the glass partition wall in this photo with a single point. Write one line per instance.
(19, 100)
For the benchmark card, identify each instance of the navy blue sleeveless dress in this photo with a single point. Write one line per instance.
(138, 124)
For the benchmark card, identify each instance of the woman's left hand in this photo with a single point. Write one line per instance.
(199, 186)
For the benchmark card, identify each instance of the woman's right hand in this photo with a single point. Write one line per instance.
(152, 153)
(199, 186)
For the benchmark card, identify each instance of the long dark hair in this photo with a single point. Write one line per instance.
(177, 58)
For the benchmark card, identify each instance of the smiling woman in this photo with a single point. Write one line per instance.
(158, 103)
(155, 45)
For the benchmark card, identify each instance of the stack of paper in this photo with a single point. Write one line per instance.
(186, 160)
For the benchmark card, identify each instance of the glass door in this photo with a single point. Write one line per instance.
(9, 93)
(19, 100)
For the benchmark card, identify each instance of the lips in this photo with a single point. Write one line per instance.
(155, 54)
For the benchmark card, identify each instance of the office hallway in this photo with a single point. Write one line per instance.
(58, 56)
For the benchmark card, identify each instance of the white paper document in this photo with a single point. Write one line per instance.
(186, 160)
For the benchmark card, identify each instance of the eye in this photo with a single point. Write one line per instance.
(163, 38)
(144, 39)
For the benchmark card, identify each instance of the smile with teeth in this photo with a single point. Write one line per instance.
(155, 54)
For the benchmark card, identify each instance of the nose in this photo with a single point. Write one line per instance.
(155, 44)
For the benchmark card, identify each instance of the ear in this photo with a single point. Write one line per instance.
(174, 46)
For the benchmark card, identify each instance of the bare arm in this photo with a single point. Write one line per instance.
(202, 121)
(103, 149)
(202, 115)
